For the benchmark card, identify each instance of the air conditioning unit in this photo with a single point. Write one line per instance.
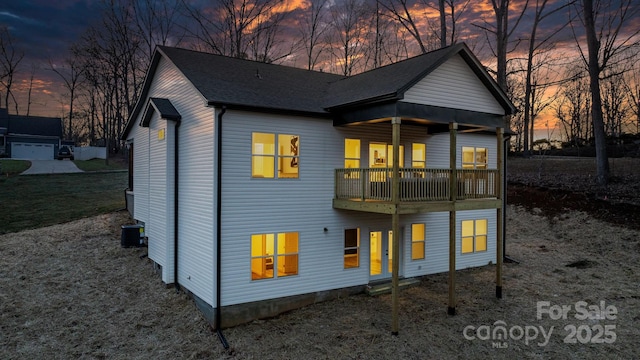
(132, 236)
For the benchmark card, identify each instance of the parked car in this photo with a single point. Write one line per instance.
(64, 153)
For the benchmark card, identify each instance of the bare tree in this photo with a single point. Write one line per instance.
(452, 10)
(115, 61)
(402, 12)
(312, 31)
(32, 74)
(615, 107)
(265, 44)
(71, 72)
(536, 46)
(349, 25)
(607, 40)
(387, 39)
(157, 22)
(232, 26)
(502, 33)
(572, 107)
(10, 58)
(631, 84)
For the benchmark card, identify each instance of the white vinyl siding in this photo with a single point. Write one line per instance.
(141, 173)
(303, 205)
(477, 258)
(196, 192)
(437, 242)
(454, 85)
(159, 227)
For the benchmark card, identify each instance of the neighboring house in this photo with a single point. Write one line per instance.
(263, 187)
(29, 137)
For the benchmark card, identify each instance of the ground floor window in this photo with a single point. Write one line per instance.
(351, 248)
(417, 241)
(474, 236)
(274, 255)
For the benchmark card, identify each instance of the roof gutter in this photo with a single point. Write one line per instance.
(218, 239)
(175, 204)
(270, 110)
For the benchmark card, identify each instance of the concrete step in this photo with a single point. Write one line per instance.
(385, 287)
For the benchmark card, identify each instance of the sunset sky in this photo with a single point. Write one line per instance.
(44, 29)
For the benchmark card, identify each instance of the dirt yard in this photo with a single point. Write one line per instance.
(70, 291)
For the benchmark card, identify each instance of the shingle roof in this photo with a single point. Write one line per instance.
(230, 81)
(164, 107)
(268, 87)
(389, 81)
(4, 118)
(34, 125)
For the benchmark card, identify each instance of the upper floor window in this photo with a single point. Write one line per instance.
(474, 236)
(418, 155)
(381, 155)
(474, 157)
(274, 255)
(351, 153)
(265, 158)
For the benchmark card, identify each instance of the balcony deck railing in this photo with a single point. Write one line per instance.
(366, 184)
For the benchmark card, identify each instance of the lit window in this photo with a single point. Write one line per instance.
(263, 154)
(474, 236)
(264, 259)
(351, 248)
(351, 153)
(418, 155)
(417, 241)
(288, 156)
(474, 158)
(262, 246)
(381, 155)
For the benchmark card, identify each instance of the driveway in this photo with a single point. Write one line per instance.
(51, 167)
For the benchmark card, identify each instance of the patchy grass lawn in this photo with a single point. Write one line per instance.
(70, 291)
(100, 164)
(41, 200)
(10, 167)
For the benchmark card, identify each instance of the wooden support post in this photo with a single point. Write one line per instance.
(500, 214)
(453, 194)
(395, 224)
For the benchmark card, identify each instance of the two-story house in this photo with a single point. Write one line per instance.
(263, 187)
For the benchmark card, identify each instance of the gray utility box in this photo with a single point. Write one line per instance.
(132, 236)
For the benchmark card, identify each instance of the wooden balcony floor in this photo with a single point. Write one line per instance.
(415, 207)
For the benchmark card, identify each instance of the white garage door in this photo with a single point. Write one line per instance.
(32, 151)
